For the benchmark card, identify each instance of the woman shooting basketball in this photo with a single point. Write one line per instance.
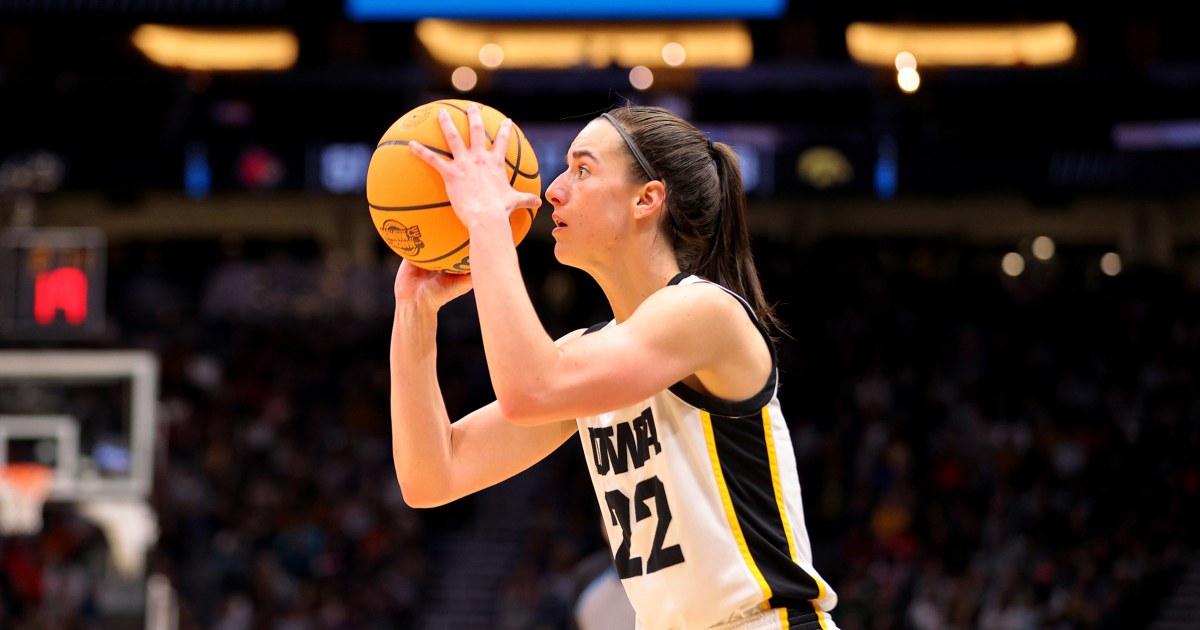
(674, 400)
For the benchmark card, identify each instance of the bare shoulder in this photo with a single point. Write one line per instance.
(707, 302)
(734, 359)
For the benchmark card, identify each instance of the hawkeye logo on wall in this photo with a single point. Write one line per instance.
(406, 240)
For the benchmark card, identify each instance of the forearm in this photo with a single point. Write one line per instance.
(421, 427)
(520, 353)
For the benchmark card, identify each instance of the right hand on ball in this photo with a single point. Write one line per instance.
(432, 289)
(476, 178)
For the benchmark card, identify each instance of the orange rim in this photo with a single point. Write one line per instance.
(28, 479)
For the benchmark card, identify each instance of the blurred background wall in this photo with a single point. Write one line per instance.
(988, 257)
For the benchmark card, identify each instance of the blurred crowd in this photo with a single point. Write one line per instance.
(976, 451)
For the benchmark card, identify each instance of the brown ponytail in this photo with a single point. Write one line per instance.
(705, 214)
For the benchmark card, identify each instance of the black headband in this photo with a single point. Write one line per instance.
(637, 154)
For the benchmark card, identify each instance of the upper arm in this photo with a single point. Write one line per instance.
(676, 332)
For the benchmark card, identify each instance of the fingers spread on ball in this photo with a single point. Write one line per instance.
(427, 156)
(503, 135)
(475, 127)
(531, 201)
(454, 141)
(466, 183)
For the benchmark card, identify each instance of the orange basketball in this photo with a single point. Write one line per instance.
(407, 197)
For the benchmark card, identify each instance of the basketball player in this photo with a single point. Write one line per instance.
(674, 400)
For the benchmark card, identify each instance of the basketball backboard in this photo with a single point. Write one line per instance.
(88, 414)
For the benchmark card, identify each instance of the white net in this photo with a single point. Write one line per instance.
(23, 492)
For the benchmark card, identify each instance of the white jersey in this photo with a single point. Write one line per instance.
(701, 499)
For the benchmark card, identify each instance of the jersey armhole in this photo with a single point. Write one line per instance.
(732, 408)
(595, 327)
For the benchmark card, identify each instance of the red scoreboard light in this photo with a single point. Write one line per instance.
(52, 283)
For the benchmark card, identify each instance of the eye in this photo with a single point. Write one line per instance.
(584, 171)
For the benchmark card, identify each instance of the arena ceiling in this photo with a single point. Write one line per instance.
(72, 83)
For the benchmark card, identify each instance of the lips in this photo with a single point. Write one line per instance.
(558, 221)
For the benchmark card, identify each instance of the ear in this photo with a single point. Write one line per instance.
(650, 199)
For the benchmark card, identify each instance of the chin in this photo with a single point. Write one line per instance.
(563, 255)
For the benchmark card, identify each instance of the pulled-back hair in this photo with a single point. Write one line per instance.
(705, 216)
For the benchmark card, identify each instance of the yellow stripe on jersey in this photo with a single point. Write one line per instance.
(777, 485)
(706, 420)
(787, 525)
(783, 619)
(821, 591)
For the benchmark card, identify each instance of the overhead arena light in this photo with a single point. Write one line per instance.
(545, 45)
(1041, 44)
(211, 49)
(544, 10)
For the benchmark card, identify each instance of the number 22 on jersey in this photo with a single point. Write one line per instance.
(619, 510)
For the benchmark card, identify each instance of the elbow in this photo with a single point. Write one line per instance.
(419, 497)
(414, 497)
(513, 408)
(529, 398)
(520, 409)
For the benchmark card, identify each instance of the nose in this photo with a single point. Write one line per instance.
(556, 193)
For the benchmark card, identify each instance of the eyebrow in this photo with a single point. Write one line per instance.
(579, 153)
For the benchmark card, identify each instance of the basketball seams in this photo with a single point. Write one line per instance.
(423, 206)
(520, 140)
(405, 143)
(515, 167)
(427, 206)
(416, 215)
(446, 255)
(512, 182)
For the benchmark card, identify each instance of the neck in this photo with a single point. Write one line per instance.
(627, 283)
